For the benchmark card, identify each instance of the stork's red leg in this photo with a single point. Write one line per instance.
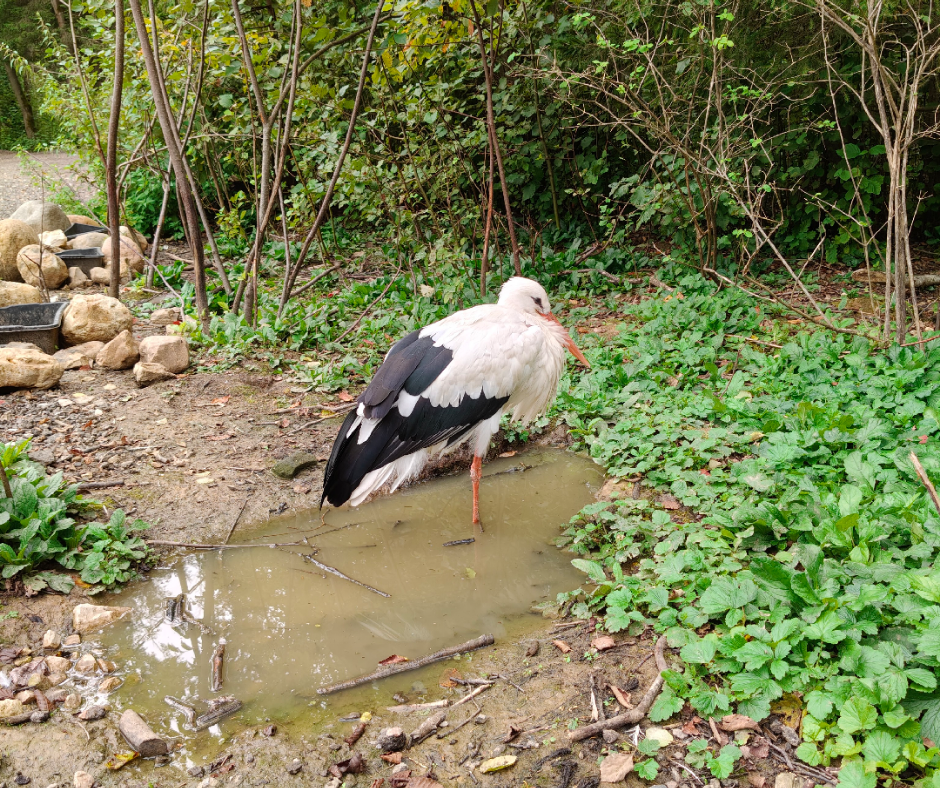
(476, 473)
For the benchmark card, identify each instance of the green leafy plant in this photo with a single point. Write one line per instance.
(37, 528)
(802, 560)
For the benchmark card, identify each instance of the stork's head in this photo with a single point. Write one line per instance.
(527, 295)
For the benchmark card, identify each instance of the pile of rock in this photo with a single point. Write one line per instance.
(97, 329)
(30, 239)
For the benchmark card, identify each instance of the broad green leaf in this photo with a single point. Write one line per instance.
(853, 775)
(857, 715)
(882, 748)
(591, 568)
(726, 593)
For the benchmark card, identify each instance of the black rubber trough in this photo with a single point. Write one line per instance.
(36, 323)
(80, 229)
(86, 259)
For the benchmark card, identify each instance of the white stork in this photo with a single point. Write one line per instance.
(447, 384)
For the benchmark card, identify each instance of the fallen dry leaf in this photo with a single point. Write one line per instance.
(603, 642)
(223, 437)
(448, 681)
(789, 709)
(356, 734)
(401, 779)
(221, 400)
(756, 752)
(392, 757)
(623, 698)
(738, 722)
(344, 396)
(283, 423)
(690, 726)
(393, 660)
(756, 779)
(423, 782)
(615, 767)
(352, 765)
(507, 454)
(379, 781)
(669, 502)
(563, 647)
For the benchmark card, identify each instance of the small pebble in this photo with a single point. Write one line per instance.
(195, 771)
(270, 730)
(21, 779)
(611, 737)
(39, 716)
(92, 713)
(295, 766)
(83, 780)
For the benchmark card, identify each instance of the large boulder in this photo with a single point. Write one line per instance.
(95, 317)
(83, 355)
(37, 266)
(130, 254)
(13, 293)
(42, 216)
(88, 241)
(170, 352)
(80, 218)
(122, 352)
(28, 368)
(138, 238)
(14, 235)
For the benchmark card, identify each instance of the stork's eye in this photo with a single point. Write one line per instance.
(538, 302)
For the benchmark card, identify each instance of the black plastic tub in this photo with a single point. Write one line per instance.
(86, 259)
(36, 323)
(81, 229)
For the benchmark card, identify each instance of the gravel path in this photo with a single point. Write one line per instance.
(16, 185)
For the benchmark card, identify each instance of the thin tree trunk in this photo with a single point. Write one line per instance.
(96, 135)
(485, 260)
(63, 28)
(22, 100)
(168, 127)
(328, 196)
(114, 123)
(491, 124)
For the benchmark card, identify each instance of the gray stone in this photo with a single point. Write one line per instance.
(53, 239)
(295, 766)
(290, 467)
(93, 713)
(42, 216)
(392, 740)
(82, 780)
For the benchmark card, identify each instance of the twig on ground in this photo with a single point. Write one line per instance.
(407, 708)
(100, 485)
(471, 695)
(402, 667)
(198, 546)
(336, 573)
(237, 518)
(451, 731)
(931, 490)
(634, 715)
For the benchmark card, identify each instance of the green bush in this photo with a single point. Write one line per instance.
(36, 529)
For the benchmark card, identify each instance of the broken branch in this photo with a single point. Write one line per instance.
(402, 667)
(633, 716)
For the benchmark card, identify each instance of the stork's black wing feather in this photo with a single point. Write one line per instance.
(412, 364)
(396, 436)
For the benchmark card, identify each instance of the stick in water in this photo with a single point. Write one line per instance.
(334, 571)
(402, 667)
(218, 656)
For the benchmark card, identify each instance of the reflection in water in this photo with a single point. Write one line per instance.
(291, 628)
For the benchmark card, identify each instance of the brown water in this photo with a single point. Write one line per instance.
(291, 628)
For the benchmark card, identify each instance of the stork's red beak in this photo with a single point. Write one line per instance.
(569, 342)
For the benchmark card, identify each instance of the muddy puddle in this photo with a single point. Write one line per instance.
(291, 627)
